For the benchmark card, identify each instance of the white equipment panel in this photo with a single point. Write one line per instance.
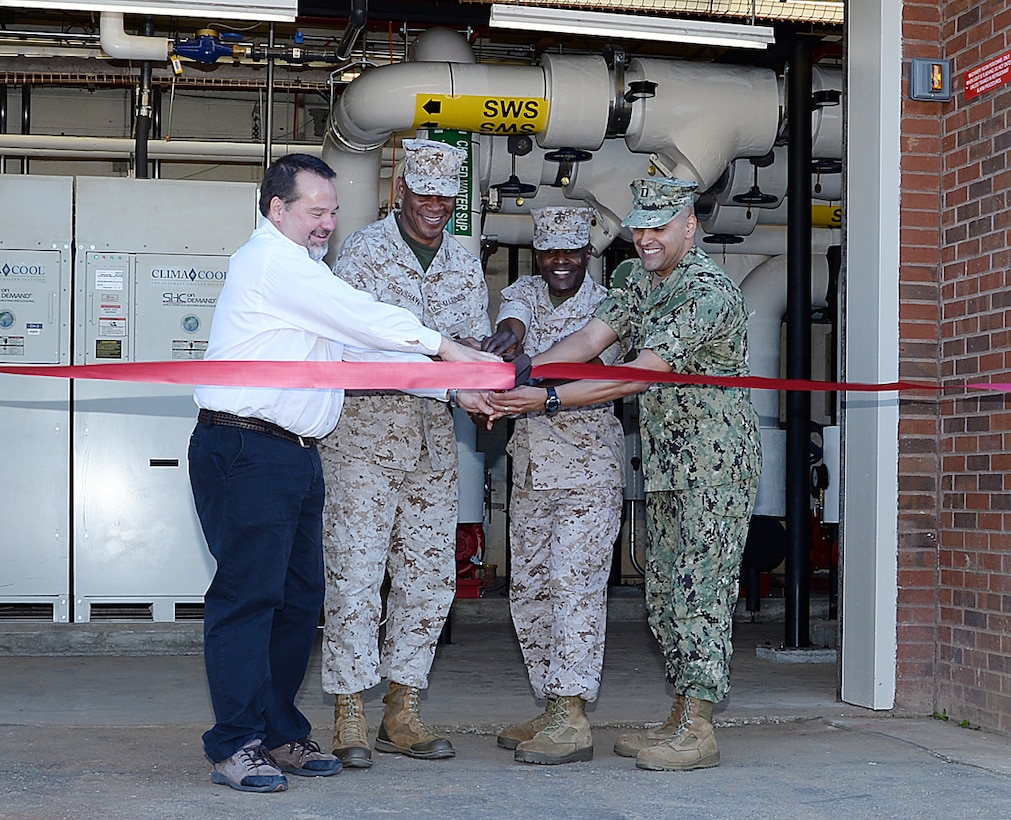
(35, 266)
(151, 259)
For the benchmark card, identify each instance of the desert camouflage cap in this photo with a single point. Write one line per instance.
(564, 227)
(432, 167)
(655, 202)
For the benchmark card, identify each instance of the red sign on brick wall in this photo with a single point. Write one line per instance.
(989, 75)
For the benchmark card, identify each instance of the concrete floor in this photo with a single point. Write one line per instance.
(118, 736)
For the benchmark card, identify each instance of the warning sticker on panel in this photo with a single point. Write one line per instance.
(112, 326)
(188, 349)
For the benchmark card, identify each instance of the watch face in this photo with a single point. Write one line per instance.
(552, 403)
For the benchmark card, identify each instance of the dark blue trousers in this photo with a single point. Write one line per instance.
(260, 503)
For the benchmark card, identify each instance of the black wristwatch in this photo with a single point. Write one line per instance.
(552, 404)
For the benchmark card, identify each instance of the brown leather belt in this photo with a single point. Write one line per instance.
(259, 425)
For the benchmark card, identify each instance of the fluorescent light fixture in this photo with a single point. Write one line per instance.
(640, 27)
(267, 10)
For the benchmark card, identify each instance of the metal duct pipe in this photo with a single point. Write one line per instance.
(122, 46)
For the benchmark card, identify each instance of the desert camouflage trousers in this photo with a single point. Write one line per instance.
(562, 543)
(377, 521)
(695, 544)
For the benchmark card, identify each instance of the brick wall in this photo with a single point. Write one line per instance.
(954, 499)
(919, 337)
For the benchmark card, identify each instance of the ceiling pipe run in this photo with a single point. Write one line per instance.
(701, 118)
(63, 147)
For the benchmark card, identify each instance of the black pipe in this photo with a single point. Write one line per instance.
(268, 109)
(26, 118)
(798, 347)
(356, 22)
(156, 127)
(3, 124)
(142, 129)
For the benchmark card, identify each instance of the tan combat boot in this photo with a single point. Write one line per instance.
(566, 738)
(692, 747)
(404, 732)
(629, 745)
(512, 736)
(350, 734)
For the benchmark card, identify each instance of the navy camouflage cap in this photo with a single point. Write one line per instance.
(561, 227)
(655, 202)
(432, 167)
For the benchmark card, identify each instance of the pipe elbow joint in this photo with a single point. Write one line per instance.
(122, 46)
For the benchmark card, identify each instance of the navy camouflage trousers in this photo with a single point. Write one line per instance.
(695, 543)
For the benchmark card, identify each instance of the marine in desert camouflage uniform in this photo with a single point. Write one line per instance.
(565, 508)
(701, 456)
(391, 469)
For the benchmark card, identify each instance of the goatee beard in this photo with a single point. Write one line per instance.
(317, 250)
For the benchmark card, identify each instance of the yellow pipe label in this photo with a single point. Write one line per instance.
(826, 216)
(486, 115)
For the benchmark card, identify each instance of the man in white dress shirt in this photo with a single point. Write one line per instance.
(256, 476)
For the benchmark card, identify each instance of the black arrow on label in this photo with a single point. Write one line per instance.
(432, 124)
(432, 107)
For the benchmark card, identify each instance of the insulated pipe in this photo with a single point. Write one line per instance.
(443, 45)
(45, 145)
(827, 119)
(405, 89)
(723, 219)
(122, 46)
(703, 116)
(486, 99)
(771, 240)
(765, 293)
(603, 183)
(739, 179)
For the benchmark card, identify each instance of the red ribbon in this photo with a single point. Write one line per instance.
(429, 376)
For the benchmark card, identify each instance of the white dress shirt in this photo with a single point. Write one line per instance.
(279, 304)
